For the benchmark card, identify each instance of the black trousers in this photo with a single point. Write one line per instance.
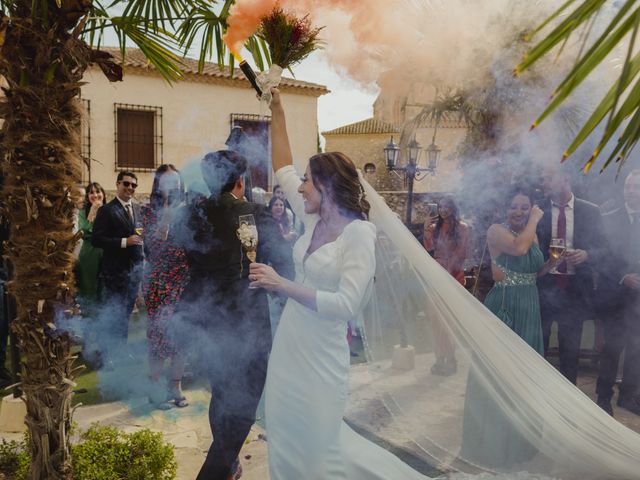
(567, 307)
(235, 394)
(226, 330)
(622, 332)
(119, 295)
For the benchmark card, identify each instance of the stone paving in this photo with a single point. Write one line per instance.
(188, 429)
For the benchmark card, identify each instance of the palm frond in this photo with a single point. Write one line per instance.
(618, 105)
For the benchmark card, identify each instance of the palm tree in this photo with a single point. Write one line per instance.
(45, 48)
(619, 108)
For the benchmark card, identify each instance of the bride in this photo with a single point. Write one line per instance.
(346, 265)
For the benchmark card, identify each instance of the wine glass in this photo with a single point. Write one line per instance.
(557, 248)
(248, 235)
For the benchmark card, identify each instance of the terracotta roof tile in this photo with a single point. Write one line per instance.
(135, 58)
(375, 126)
(368, 126)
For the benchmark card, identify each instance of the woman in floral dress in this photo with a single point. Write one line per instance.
(166, 275)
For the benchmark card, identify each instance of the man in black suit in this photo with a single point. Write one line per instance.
(114, 230)
(566, 297)
(620, 302)
(225, 323)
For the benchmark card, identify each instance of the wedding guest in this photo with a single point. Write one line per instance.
(81, 193)
(289, 236)
(620, 302)
(114, 230)
(277, 207)
(166, 275)
(566, 296)
(90, 257)
(278, 192)
(446, 238)
(516, 262)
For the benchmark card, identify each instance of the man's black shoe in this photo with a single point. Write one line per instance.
(630, 402)
(605, 404)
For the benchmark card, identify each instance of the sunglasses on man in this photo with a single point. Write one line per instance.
(129, 184)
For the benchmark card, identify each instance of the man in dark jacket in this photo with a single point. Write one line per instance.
(225, 323)
(566, 297)
(114, 230)
(620, 302)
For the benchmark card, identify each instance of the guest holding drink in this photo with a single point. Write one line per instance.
(166, 275)
(446, 239)
(516, 263)
(566, 295)
(89, 258)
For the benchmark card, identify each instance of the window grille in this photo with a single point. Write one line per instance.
(138, 137)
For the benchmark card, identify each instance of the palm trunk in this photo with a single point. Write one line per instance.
(42, 65)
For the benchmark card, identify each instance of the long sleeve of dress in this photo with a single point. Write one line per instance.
(358, 269)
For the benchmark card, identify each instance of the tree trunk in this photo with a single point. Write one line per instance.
(42, 64)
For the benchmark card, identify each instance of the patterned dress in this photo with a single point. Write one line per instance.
(166, 274)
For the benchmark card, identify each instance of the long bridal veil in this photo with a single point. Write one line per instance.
(506, 409)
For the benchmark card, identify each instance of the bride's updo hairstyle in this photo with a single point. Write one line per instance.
(339, 177)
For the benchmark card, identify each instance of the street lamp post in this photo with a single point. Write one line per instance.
(404, 354)
(412, 170)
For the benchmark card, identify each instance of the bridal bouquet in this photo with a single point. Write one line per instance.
(290, 39)
(248, 236)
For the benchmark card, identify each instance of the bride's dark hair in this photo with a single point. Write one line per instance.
(339, 177)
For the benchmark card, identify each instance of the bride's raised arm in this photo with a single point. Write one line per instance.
(280, 148)
(281, 157)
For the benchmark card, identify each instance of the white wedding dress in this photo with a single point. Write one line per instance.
(379, 272)
(308, 375)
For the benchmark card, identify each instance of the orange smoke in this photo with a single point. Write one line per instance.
(244, 19)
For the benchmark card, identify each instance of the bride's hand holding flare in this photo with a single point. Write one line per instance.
(263, 276)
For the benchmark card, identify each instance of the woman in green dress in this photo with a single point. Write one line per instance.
(517, 262)
(88, 266)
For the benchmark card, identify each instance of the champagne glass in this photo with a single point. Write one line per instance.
(557, 247)
(248, 235)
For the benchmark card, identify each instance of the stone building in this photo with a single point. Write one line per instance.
(143, 121)
(364, 143)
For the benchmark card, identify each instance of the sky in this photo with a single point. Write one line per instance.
(348, 101)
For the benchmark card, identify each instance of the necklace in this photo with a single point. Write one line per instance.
(508, 227)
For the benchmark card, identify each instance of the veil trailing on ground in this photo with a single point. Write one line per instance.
(506, 409)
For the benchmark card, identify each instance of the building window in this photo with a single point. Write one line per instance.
(85, 139)
(138, 137)
(369, 168)
(258, 147)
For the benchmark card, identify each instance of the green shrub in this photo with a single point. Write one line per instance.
(9, 455)
(106, 453)
(14, 458)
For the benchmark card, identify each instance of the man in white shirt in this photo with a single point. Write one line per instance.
(116, 230)
(567, 297)
(620, 302)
